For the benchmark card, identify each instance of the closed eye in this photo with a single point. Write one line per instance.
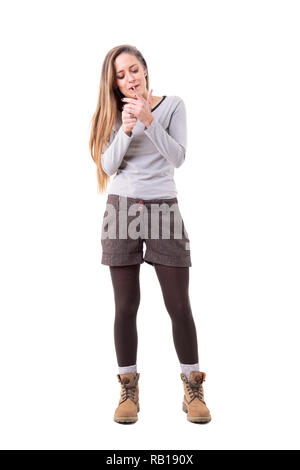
(134, 71)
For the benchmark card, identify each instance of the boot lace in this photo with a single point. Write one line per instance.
(128, 391)
(195, 390)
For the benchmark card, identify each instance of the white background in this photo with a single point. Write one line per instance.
(236, 66)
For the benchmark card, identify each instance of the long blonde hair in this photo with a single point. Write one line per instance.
(109, 102)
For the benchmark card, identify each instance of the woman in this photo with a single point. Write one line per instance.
(141, 139)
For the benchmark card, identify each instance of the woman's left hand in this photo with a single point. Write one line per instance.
(140, 107)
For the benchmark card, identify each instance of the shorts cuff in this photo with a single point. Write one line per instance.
(166, 260)
(122, 260)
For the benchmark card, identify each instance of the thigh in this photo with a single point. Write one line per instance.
(126, 285)
(174, 282)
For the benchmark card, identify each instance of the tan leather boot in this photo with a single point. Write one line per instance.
(128, 407)
(193, 400)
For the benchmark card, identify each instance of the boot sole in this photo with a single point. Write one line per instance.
(196, 419)
(127, 419)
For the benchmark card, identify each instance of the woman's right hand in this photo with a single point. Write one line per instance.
(128, 122)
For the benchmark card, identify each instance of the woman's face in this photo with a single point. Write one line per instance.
(130, 72)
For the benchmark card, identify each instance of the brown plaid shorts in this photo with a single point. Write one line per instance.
(129, 222)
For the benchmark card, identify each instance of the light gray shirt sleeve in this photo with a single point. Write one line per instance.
(115, 151)
(172, 144)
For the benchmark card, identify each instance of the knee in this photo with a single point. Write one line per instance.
(180, 311)
(128, 307)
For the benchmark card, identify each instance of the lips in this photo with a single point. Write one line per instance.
(133, 87)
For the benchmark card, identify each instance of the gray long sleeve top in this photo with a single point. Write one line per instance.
(144, 162)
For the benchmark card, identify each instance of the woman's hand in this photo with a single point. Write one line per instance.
(128, 122)
(140, 107)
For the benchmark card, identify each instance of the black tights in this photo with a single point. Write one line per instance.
(174, 283)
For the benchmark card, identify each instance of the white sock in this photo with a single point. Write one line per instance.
(128, 370)
(188, 368)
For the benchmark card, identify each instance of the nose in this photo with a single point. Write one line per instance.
(131, 77)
